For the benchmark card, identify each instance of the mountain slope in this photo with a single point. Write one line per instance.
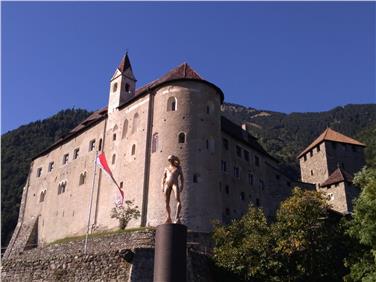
(18, 147)
(285, 135)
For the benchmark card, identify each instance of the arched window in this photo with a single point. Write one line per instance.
(82, 178)
(125, 129)
(135, 122)
(154, 143)
(133, 149)
(113, 159)
(61, 188)
(42, 196)
(196, 178)
(171, 104)
(209, 108)
(114, 87)
(181, 137)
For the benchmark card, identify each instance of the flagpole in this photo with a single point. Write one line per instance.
(91, 202)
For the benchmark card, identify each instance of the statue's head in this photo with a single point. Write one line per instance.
(174, 160)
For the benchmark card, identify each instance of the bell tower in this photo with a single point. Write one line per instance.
(122, 85)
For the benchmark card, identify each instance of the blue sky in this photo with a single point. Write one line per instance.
(288, 57)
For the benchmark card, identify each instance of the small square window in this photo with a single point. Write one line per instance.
(311, 153)
(305, 158)
(39, 172)
(238, 151)
(50, 166)
(257, 161)
(114, 137)
(75, 153)
(65, 158)
(318, 148)
(91, 145)
(225, 143)
(246, 155)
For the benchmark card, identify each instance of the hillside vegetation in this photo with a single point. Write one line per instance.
(285, 135)
(18, 148)
(282, 135)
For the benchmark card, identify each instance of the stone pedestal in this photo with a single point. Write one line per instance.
(170, 261)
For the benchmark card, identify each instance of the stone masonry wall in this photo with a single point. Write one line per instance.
(103, 261)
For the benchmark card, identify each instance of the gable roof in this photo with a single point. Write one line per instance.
(331, 135)
(338, 175)
(238, 133)
(180, 73)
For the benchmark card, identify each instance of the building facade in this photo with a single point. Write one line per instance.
(225, 168)
(330, 163)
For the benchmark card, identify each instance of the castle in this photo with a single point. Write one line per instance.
(224, 166)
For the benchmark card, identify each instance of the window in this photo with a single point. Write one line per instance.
(127, 87)
(311, 153)
(135, 122)
(121, 184)
(113, 160)
(171, 104)
(42, 196)
(227, 189)
(225, 143)
(334, 145)
(311, 172)
(181, 137)
(91, 145)
(238, 151)
(257, 161)
(154, 143)
(250, 178)
(114, 87)
(223, 166)
(61, 188)
(236, 172)
(133, 149)
(75, 153)
(114, 137)
(330, 197)
(50, 166)
(209, 108)
(82, 178)
(100, 145)
(353, 148)
(257, 202)
(242, 196)
(262, 185)
(65, 158)
(125, 129)
(246, 155)
(318, 148)
(196, 178)
(305, 157)
(39, 172)
(336, 185)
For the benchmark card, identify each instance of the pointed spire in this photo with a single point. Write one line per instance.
(125, 67)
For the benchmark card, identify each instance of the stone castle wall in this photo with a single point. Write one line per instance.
(104, 261)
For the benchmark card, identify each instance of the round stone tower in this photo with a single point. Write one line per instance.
(186, 123)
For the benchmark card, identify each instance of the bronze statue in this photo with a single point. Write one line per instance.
(170, 181)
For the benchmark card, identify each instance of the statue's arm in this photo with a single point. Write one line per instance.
(181, 180)
(163, 179)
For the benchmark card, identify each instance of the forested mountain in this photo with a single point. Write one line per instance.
(18, 147)
(282, 135)
(285, 135)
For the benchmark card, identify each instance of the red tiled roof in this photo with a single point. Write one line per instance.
(338, 175)
(181, 72)
(331, 135)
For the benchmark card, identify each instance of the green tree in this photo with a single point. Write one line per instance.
(244, 247)
(362, 262)
(125, 213)
(305, 243)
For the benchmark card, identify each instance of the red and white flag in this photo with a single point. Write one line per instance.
(102, 163)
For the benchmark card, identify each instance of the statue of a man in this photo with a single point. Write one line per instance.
(170, 181)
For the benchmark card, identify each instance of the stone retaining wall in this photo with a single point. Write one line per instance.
(104, 260)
